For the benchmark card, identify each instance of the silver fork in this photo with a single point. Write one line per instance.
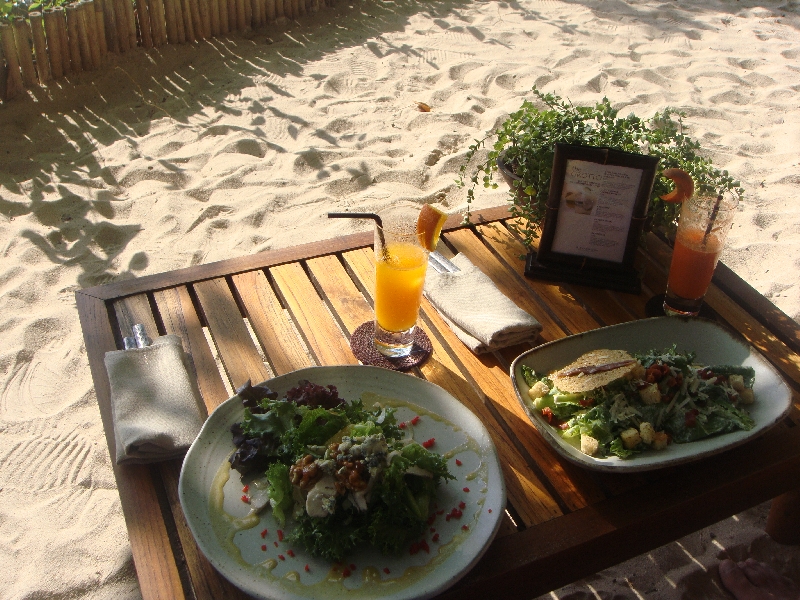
(440, 264)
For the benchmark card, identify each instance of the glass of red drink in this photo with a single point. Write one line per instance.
(703, 226)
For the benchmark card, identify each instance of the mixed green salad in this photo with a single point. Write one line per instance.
(663, 398)
(345, 474)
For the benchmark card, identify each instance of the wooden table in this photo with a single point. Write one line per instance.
(256, 316)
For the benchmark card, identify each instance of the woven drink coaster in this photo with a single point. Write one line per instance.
(361, 343)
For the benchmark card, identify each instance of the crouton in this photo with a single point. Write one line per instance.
(650, 394)
(736, 381)
(589, 445)
(746, 396)
(647, 432)
(660, 440)
(630, 438)
(538, 390)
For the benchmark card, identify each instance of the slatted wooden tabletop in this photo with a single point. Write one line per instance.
(270, 313)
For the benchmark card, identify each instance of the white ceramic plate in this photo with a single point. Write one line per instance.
(712, 344)
(254, 564)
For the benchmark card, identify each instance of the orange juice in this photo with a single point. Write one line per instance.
(693, 263)
(399, 278)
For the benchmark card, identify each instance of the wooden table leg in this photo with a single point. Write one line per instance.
(783, 521)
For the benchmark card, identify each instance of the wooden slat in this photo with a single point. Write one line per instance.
(340, 291)
(207, 583)
(316, 324)
(135, 310)
(180, 318)
(270, 323)
(234, 344)
(525, 491)
(155, 565)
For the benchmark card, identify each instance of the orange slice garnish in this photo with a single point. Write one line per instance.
(429, 226)
(684, 185)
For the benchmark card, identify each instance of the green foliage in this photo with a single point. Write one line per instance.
(529, 135)
(11, 9)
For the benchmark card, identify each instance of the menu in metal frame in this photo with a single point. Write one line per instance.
(595, 214)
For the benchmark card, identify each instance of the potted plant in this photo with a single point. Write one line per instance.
(524, 147)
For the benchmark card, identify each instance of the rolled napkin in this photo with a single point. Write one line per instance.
(155, 404)
(478, 313)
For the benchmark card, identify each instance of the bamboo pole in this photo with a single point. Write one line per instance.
(143, 17)
(262, 9)
(63, 37)
(53, 44)
(158, 23)
(205, 17)
(280, 12)
(130, 19)
(74, 37)
(86, 9)
(109, 24)
(189, 16)
(83, 37)
(100, 23)
(22, 40)
(269, 9)
(14, 85)
(240, 15)
(224, 20)
(248, 14)
(231, 15)
(179, 21)
(171, 22)
(121, 23)
(192, 8)
(40, 47)
(3, 74)
(215, 18)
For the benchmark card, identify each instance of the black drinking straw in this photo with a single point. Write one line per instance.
(373, 216)
(711, 219)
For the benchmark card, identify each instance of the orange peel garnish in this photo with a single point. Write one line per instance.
(429, 226)
(684, 185)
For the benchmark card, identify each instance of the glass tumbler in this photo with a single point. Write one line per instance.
(703, 226)
(401, 262)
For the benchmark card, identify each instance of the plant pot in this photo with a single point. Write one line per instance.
(505, 170)
(513, 180)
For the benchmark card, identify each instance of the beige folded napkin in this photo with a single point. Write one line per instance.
(478, 313)
(155, 403)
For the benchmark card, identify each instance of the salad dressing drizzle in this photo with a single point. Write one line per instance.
(334, 584)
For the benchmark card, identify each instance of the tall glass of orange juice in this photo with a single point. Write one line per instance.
(400, 265)
(703, 226)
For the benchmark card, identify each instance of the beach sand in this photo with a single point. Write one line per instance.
(196, 153)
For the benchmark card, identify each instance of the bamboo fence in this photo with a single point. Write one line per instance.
(65, 40)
